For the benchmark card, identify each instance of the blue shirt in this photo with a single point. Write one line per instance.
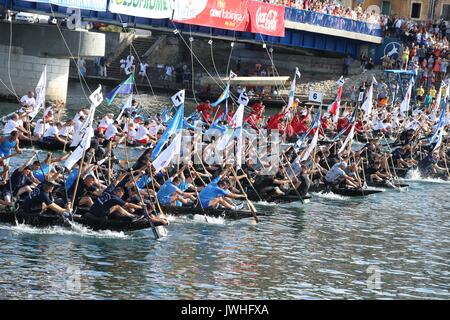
(71, 178)
(166, 192)
(143, 181)
(42, 171)
(211, 192)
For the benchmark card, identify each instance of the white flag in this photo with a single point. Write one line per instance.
(40, 94)
(166, 156)
(312, 145)
(348, 139)
(178, 98)
(232, 75)
(127, 105)
(78, 136)
(235, 123)
(368, 104)
(97, 96)
(292, 90)
(78, 153)
(243, 98)
(404, 106)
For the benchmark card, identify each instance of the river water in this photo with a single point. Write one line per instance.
(392, 245)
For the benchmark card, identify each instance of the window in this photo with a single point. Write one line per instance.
(446, 12)
(415, 10)
(386, 8)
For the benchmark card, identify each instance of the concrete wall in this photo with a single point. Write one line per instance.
(42, 40)
(26, 70)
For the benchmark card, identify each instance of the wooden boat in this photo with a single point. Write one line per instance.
(209, 212)
(347, 192)
(292, 197)
(44, 220)
(45, 145)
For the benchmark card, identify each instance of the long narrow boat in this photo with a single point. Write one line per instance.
(347, 192)
(277, 198)
(48, 220)
(218, 213)
(45, 145)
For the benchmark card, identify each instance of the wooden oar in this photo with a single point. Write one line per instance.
(249, 203)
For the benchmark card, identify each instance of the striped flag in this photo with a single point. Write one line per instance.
(125, 87)
(334, 107)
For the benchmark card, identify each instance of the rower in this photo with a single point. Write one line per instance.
(41, 200)
(376, 172)
(39, 129)
(337, 176)
(111, 205)
(28, 102)
(143, 134)
(67, 129)
(51, 135)
(22, 181)
(105, 122)
(15, 123)
(215, 194)
(5, 190)
(7, 144)
(86, 190)
(170, 193)
(429, 164)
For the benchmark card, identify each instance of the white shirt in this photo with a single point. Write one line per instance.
(51, 132)
(142, 133)
(39, 129)
(77, 125)
(144, 67)
(153, 129)
(335, 172)
(27, 101)
(66, 131)
(10, 126)
(110, 131)
(105, 123)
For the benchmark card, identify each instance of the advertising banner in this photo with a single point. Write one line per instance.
(266, 18)
(223, 14)
(154, 9)
(96, 5)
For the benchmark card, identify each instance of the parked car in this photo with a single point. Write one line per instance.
(27, 17)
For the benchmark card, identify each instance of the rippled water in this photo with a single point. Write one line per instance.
(323, 249)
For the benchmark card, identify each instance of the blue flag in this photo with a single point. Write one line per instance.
(224, 96)
(174, 125)
(125, 87)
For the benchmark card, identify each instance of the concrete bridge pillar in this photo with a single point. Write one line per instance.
(33, 47)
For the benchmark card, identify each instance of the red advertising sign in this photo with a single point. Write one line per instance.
(266, 18)
(224, 14)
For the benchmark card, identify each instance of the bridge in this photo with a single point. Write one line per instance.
(303, 29)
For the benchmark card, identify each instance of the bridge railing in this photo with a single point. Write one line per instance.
(334, 22)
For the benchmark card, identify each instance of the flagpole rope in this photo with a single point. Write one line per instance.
(9, 60)
(191, 39)
(140, 61)
(212, 57)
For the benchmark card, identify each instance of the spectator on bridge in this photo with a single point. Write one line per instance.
(346, 65)
(143, 70)
(82, 66)
(102, 66)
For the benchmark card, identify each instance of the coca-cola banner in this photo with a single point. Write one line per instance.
(224, 14)
(266, 18)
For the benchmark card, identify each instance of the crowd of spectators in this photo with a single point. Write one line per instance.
(332, 7)
(425, 50)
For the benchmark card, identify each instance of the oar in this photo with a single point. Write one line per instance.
(145, 206)
(198, 196)
(249, 203)
(292, 183)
